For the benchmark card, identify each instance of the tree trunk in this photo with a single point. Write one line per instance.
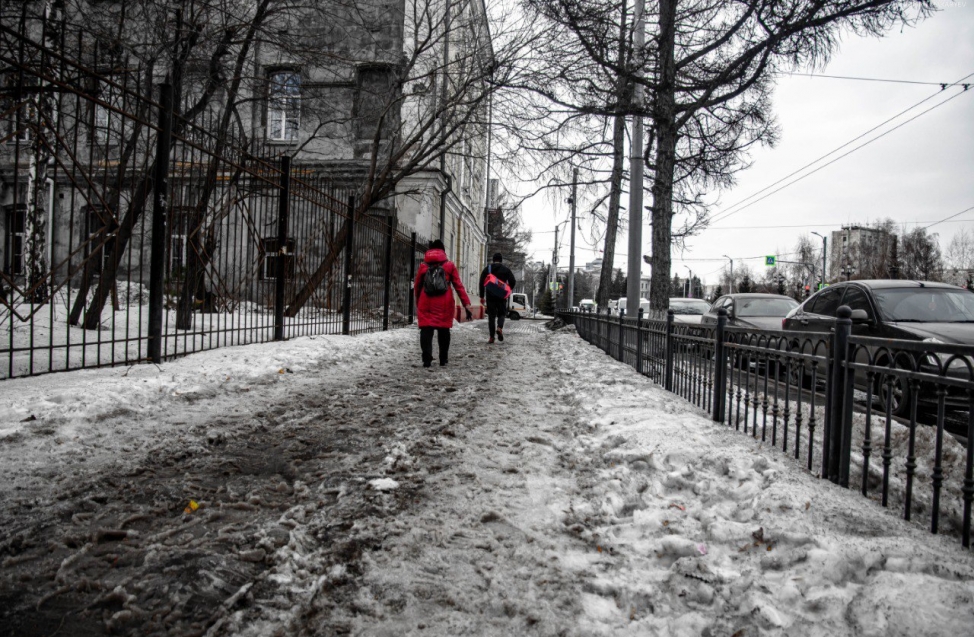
(615, 189)
(612, 221)
(107, 280)
(664, 119)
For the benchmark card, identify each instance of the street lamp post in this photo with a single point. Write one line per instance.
(825, 243)
(731, 274)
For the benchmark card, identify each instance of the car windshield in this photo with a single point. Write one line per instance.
(690, 306)
(764, 307)
(926, 305)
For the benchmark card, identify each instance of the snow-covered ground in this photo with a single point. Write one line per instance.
(531, 487)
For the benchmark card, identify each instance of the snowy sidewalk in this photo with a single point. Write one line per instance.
(532, 487)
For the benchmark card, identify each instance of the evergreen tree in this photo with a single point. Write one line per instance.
(676, 287)
(543, 280)
(618, 289)
(745, 285)
(546, 305)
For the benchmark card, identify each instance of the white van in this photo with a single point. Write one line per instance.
(518, 306)
(586, 305)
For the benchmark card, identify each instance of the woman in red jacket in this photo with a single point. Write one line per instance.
(435, 305)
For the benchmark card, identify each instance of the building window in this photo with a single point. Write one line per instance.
(283, 106)
(14, 222)
(17, 107)
(101, 237)
(178, 239)
(107, 124)
(272, 259)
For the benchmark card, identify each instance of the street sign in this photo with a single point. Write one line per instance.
(822, 286)
(770, 261)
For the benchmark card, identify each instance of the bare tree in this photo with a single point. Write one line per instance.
(505, 229)
(920, 256)
(709, 54)
(959, 258)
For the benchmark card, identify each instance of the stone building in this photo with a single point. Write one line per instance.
(389, 82)
(384, 99)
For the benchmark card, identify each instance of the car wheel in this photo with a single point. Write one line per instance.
(899, 395)
(797, 376)
(514, 316)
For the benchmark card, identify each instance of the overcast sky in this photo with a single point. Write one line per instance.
(920, 173)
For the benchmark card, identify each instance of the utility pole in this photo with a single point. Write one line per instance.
(554, 271)
(731, 291)
(825, 243)
(571, 255)
(636, 170)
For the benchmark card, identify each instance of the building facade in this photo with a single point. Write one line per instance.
(365, 100)
(860, 252)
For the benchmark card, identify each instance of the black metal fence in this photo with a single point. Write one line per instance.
(833, 401)
(142, 220)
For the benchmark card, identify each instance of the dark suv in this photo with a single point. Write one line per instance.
(907, 310)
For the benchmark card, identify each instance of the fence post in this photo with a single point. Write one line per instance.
(639, 341)
(622, 316)
(848, 398)
(160, 203)
(280, 261)
(412, 275)
(668, 376)
(720, 366)
(832, 440)
(347, 292)
(388, 273)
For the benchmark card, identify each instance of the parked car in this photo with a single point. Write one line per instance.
(587, 305)
(688, 310)
(896, 309)
(752, 310)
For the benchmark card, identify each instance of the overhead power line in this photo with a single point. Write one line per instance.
(949, 218)
(832, 225)
(942, 85)
(742, 204)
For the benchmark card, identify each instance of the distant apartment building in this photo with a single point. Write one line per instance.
(859, 252)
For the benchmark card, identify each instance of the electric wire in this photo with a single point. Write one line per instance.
(730, 210)
(832, 225)
(949, 218)
(942, 85)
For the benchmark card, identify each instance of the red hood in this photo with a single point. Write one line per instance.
(435, 256)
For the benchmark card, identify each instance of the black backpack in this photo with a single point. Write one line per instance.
(434, 283)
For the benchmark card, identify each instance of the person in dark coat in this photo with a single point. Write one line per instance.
(435, 313)
(496, 303)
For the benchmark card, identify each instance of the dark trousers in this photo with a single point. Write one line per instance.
(496, 313)
(426, 343)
